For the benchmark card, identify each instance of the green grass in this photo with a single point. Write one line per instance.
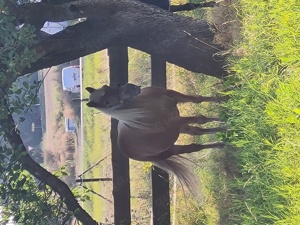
(209, 165)
(96, 143)
(263, 115)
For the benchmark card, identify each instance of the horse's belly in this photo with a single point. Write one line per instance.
(138, 144)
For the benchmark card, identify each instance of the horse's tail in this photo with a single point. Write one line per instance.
(175, 165)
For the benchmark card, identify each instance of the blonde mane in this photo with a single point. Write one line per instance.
(131, 117)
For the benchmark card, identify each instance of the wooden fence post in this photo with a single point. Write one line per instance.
(118, 68)
(160, 179)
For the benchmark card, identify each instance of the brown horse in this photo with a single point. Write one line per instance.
(150, 123)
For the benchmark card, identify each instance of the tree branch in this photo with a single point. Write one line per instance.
(179, 40)
(43, 175)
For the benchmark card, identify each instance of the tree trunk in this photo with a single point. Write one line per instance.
(179, 40)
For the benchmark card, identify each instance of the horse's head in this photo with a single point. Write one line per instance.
(108, 97)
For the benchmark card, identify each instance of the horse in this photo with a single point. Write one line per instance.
(150, 123)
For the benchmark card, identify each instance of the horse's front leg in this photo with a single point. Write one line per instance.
(192, 130)
(182, 121)
(179, 97)
(181, 149)
(191, 6)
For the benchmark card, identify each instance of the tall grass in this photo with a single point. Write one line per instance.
(96, 141)
(263, 114)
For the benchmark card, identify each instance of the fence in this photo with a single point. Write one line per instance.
(118, 64)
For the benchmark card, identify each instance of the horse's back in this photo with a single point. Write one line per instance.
(155, 101)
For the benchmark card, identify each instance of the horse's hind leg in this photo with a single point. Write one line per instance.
(187, 129)
(191, 6)
(181, 149)
(195, 119)
(191, 98)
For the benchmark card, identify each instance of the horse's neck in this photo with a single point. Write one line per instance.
(128, 110)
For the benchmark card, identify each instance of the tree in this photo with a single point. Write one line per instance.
(183, 41)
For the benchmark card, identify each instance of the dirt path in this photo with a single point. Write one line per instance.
(56, 143)
(49, 87)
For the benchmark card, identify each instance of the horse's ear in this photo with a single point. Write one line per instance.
(90, 89)
(91, 104)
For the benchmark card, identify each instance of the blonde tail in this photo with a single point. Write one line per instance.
(175, 165)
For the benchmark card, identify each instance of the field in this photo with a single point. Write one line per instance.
(255, 179)
(96, 144)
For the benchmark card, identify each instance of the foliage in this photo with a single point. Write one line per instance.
(209, 164)
(26, 199)
(15, 53)
(263, 114)
(22, 197)
(14, 56)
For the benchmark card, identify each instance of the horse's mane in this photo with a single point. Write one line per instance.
(130, 117)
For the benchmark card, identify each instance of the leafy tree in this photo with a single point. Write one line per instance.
(29, 200)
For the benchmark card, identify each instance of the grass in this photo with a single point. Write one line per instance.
(208, 163)
(263, 115)
(96, 141)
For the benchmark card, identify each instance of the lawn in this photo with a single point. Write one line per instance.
(96, 139)
(256, 180)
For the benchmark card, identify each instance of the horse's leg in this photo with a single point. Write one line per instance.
(177, 96)
(191, 6)
(187, 129)
(182, 121)
(181, 149)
